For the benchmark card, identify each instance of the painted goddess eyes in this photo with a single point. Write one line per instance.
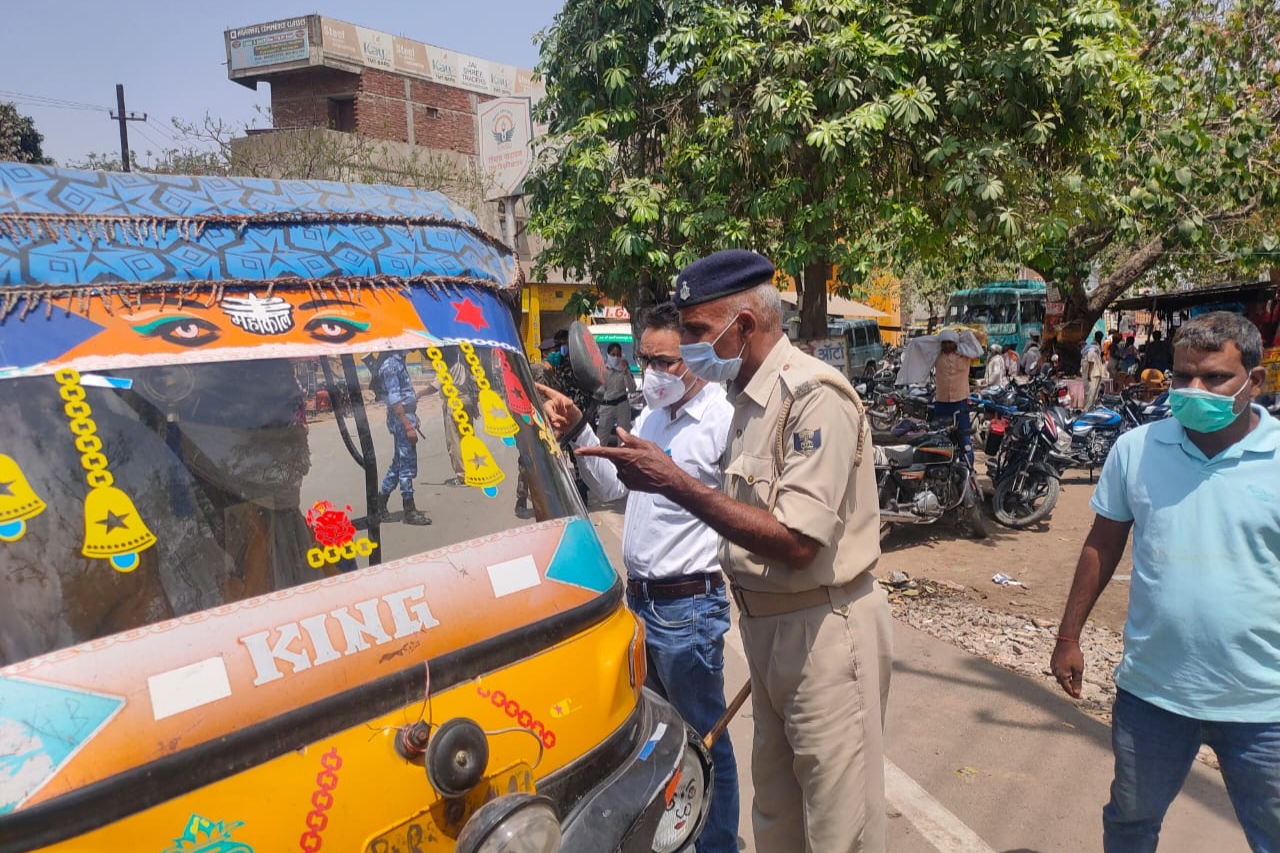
(334, 330)
(182, 331)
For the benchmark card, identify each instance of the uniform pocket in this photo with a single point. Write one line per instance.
(750, 479)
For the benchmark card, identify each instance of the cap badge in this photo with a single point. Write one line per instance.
(684, 290)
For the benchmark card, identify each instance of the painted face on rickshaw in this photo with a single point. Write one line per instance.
(246, 321)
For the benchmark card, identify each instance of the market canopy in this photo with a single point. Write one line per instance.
(840, 307)
(1181, 300)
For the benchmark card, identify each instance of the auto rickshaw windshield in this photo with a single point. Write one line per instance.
(128, 497)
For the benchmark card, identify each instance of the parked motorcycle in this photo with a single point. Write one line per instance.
(925, 477)
(1094, 433)
(1026, 470)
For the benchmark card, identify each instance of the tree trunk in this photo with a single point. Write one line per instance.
(1082, 309)
(639, 300)
(812, 296)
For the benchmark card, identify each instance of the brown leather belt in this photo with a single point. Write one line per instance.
(683, 587)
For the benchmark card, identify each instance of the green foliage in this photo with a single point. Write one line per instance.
(820, 132)
(1184, 184)
(19, 139)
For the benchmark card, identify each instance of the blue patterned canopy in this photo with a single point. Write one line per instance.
(63, 230)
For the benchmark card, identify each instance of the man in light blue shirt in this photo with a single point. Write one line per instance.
(1201, 663)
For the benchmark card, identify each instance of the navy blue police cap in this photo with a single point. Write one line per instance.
(721, 274)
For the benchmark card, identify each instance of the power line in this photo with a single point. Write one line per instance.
(161, 146)
(48, 100)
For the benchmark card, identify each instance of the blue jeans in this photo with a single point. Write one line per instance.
(945, 411)
(1154, 749)
(685, 648)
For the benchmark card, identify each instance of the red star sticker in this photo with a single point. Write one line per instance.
(469, 313)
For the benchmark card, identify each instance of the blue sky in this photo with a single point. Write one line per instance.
(171, 59)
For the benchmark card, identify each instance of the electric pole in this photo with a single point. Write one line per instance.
(121, 116)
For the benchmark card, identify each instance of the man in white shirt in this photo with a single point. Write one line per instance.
(997, 369)
(672, 559)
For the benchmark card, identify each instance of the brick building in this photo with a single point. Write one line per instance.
(329, 77)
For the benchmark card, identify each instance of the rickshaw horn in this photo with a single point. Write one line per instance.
(457, 756)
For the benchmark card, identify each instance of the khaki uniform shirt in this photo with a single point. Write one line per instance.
(819, 491)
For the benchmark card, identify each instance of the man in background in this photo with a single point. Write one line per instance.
(615, 410)
(402, 423)
(951, 377)
(1159, 353)
(997, 369)
(1030, 361)
(1092, 370)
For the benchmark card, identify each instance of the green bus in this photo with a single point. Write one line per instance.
(1009, 312)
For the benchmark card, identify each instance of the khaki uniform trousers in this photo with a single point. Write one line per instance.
(819, 686)
(1092, 390)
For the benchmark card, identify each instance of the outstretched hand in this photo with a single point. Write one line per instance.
(561, 412)
(642, 465)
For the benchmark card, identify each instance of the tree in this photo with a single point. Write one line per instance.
(1185, 183)
(19, 139)
(820, 132)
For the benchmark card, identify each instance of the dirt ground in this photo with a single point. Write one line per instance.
(1043, 557)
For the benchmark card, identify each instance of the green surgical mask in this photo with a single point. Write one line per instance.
(1204, 411)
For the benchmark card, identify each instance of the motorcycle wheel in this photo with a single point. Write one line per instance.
(882, 420)
(973, 516)
(1015, 512)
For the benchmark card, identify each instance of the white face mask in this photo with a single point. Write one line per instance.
(614, 362)
(662, 389)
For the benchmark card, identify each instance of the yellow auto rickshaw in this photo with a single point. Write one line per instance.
(289, 557)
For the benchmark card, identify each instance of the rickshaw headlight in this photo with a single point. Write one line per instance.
(517, 823)
(685, 798)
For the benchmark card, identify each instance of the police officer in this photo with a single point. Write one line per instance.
(799, 518)
(402, 423)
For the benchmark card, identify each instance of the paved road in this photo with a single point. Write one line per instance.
(982, 760)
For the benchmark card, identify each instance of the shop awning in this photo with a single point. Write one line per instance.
(840, 307)
(1179, 300)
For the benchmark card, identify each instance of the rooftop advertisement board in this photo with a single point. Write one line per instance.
(315, 38)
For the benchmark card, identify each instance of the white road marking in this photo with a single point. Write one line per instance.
(946, 832)
(942, 829)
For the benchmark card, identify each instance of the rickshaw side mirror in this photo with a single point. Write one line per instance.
(587, 360)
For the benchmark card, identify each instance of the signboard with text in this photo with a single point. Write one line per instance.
(274, 43)
(1271, 361)
(262, 45)
(832, 351)
(506, 129)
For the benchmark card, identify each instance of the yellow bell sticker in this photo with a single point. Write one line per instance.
(113, 528)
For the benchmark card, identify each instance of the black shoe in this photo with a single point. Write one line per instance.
(412, 515)
(523, 511)
(381, 510)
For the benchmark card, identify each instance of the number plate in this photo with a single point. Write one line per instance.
(437, 828)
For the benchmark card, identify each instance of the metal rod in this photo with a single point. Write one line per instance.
(730, 712)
